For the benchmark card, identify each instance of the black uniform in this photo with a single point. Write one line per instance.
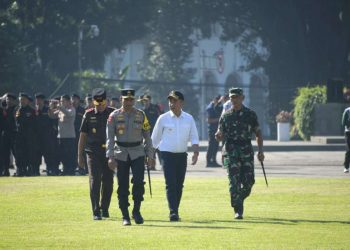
(2, 121)
(46, 141)
(214, 112)
(152, 112)
(79, 113)
(94, 125)
(8, 137)
(25, 140)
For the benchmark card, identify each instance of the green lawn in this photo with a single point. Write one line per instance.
(293, 213)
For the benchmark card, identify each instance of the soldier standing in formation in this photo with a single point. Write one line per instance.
(46, 136)
(25, 145)
(79, 113)
(9, 131)
(130, 127)
(93, 141)
(235, 128)
(345, 122)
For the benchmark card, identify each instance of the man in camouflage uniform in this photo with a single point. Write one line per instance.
(129, 126)
(235, 128)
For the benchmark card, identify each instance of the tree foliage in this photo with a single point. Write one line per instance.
(304, 105)
(39, 38)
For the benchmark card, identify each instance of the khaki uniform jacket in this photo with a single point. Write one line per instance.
(128, 128)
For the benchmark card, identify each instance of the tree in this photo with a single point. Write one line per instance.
(39, 38)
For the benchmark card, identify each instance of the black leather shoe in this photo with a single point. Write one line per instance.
(239, 211)
(174, 217)
(126, 222)
(137, 217)
(97, 217)
(238, 216)
(105, 214)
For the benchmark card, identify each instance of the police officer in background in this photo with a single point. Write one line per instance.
(79, 113)
(214, 110)
(2, 124)
(93, 140)
(115, 102)
(88, 102)
(152, 112)
(45, 125)
(129, 126)
(25, 144)
(9, 131)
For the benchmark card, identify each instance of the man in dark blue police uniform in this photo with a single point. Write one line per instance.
(93, 140)
(79, 113)
(25, 144)
(45, 132)
(214, 110)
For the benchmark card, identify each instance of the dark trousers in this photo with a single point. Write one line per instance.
(213, 146)
(174, 167)
(66, 146)
(24, 154)
(138, 189)
(101, 182)
(347, 154)
(8, 142)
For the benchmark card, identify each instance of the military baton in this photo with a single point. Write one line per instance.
(262, 166)
(149, 180)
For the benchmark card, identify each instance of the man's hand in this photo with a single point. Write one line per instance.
(261, 156)
(81, 163)
(195, 158)
(112, 164)
(218, 136)
(151, 163)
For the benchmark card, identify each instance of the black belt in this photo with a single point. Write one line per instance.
(128, 144)
(238, 142)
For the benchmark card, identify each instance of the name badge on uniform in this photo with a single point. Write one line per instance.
(94, 130)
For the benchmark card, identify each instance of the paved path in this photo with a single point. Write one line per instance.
(283, 159)
(282, 164)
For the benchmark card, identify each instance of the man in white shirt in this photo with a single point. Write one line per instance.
(171, 134)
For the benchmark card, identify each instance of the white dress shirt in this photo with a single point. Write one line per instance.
(172, 133)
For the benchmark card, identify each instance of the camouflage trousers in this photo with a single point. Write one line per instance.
(240, 170)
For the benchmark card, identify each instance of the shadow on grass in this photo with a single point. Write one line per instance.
(208, 224)
(180, 224)
(277, 221)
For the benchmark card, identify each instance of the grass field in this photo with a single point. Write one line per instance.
(293, 213)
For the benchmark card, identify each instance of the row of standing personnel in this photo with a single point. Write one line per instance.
(30, 132)
(127, 141)
(32, 129)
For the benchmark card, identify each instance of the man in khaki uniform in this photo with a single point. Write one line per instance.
(127, 127)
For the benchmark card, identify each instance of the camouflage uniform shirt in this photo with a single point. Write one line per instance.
(237, 128)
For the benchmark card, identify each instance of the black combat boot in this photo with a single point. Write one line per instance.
(239, 211)
(136, 215)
